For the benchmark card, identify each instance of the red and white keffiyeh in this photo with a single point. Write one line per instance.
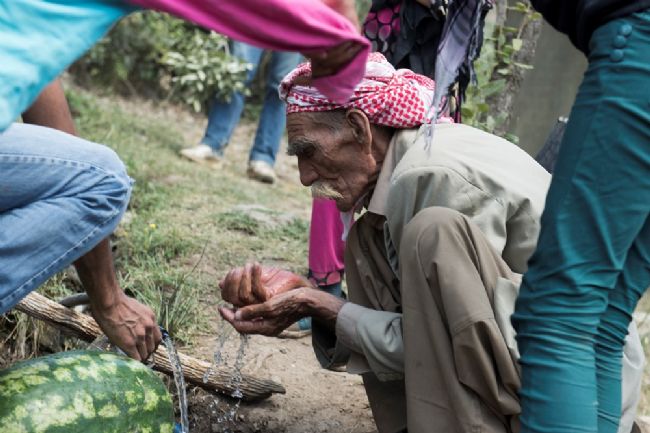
(396, 98)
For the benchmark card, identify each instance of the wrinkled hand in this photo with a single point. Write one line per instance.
(131, 326)
(329, 62)
(255, 284)
(268, 318)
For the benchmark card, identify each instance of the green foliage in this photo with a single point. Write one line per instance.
(171, 293)
(157, 55)
(494, 68)
(198, 74)
(362, 8)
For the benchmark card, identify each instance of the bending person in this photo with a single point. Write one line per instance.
(433, 264)
(61, 198)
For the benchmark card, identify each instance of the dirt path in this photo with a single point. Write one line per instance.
(317, 400)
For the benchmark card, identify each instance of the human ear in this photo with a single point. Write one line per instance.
(360, 127)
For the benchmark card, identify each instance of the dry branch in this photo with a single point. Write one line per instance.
(85, 328)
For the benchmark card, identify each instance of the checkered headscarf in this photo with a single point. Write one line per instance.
(396, 98)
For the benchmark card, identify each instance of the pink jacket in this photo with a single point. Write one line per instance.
(286, 25)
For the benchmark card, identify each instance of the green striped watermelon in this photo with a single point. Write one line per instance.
(83, 392)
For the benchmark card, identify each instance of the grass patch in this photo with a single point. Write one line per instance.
(149, 240)
(240, 222)
(172, 293)
(297, 230)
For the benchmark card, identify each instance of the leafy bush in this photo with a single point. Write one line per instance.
(495, 67)
(154, 54)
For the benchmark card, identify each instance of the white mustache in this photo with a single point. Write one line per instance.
(321, 189)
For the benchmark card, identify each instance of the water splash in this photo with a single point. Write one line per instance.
(178, 379)
(219, 357)
(239, 363)
(228, 416)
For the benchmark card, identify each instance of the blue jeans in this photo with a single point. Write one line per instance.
(59, 197)
(592, 262)
(224, 116)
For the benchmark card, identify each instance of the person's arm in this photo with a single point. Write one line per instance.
(38, 39)
(51, 109)
(278, 313)
(127, 323)
(376, 335)
(333, 43)
(267, 310)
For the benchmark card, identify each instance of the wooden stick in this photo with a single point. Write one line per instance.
(85, 328)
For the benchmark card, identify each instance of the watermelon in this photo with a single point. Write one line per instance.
(83, 392)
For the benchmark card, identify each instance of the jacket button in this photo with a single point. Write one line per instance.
(619, 41)
(616, 56)
(625, 30)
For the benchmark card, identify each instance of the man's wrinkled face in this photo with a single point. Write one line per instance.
(329, 158)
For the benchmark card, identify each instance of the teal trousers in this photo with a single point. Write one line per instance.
(592, 262)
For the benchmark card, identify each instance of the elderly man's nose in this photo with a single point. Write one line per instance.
(307, 174)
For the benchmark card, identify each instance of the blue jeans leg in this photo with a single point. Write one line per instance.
(59, 197)
(224, 116)
(591, 263)
(273, 118)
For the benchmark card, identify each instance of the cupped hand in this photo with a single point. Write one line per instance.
(254, 284)
(131, 326)
(268, 318)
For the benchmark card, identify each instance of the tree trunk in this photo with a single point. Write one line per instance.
(529, 32)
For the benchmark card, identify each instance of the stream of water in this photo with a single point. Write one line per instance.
(179, 380)
(219, 357)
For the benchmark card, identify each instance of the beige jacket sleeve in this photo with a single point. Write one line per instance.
(365, 339)
(377, 335)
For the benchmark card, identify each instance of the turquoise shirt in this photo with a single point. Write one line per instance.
(40, 38)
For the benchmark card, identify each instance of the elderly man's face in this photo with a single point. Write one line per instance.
(329, 155)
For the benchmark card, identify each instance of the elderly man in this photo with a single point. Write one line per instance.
(433, 264)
